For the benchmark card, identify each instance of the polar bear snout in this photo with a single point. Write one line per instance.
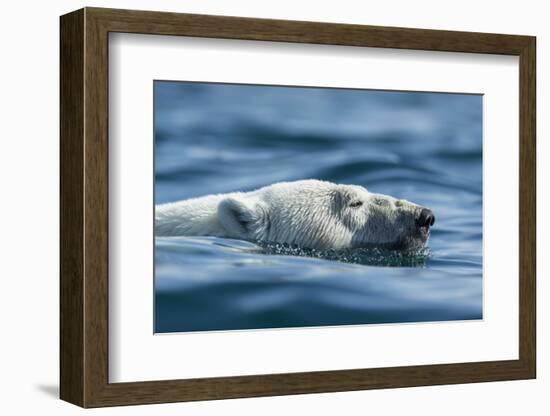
(426, 218)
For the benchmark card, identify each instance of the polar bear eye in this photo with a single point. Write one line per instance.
(356, 204)
(381, 202)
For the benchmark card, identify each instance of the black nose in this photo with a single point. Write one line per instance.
(426, 218)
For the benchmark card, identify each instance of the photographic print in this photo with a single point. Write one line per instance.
(316, 192)
(296, 206)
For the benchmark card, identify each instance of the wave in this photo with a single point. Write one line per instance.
(372, 256)
(365, 256)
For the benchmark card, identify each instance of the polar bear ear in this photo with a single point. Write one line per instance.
(238, 216)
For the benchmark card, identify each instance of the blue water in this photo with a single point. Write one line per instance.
(423, 147)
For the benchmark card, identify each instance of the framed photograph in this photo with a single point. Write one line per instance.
(254, 207)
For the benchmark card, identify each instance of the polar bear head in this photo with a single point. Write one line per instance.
(323, 215)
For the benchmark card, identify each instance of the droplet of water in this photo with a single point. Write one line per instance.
(368, 256)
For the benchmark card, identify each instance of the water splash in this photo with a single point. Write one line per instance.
(367, 256)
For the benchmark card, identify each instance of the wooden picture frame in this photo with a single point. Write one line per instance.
(84, 207)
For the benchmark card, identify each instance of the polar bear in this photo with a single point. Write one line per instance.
(308, 213)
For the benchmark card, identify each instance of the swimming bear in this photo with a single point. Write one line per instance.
(307, 213)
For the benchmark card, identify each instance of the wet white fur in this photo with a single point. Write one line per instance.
(307, 213)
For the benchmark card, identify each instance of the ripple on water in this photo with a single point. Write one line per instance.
(366, 256)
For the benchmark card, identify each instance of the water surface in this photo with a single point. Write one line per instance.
(423, 147)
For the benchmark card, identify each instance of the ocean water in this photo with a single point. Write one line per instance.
(423, 147)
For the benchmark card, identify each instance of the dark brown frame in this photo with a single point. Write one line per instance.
(84, 210)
